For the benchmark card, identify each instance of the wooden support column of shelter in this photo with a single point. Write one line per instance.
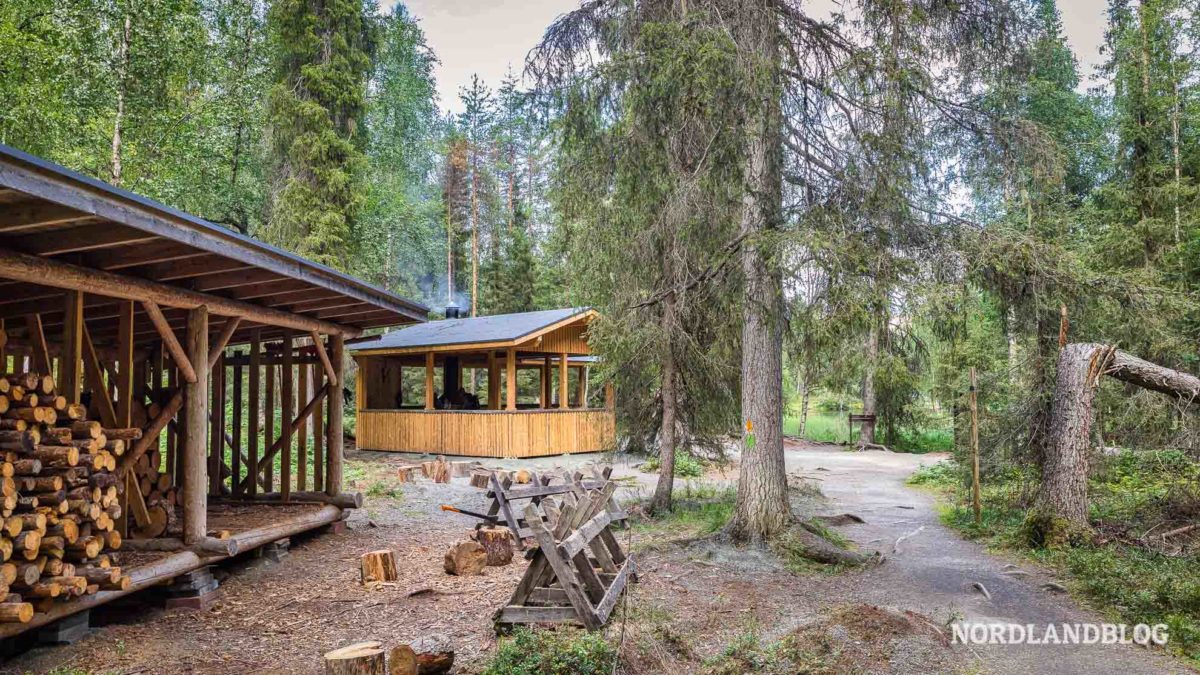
(493, 400)
(428, 382)
(288, 405)
(255, 402)
(70, 367)
(216, 413)
(581, 384)
(333, 431)
(235, 482)
(545, 382)
(195, 485)
(318, 472)
(267, 472)
(510, 365)
(302, 432)
(564, 399)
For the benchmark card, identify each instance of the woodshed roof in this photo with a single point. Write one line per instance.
(54, 213)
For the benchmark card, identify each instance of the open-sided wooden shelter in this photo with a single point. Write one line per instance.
(163, 322)
(530, 377)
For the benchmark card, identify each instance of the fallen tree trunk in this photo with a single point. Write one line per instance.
(1060, 514)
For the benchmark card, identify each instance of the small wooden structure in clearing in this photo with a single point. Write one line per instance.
(562, 584)
(552, 412)
(112, 295)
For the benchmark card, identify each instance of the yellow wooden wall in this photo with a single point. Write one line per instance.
(568, 340)
(534, 433)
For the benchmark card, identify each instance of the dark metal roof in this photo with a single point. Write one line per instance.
(448, 332)
(53, 212)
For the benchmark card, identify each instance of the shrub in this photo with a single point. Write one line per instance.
(552, 652)
(686, 465)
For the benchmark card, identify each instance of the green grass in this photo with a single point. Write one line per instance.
(1128, 494)
(831, 427)
(686, 465)
(553, 652)
(699, 509)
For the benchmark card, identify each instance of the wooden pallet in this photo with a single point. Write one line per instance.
(562, 584)
(504, 497)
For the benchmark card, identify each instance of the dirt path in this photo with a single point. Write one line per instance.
(934, 570)
(691, 603)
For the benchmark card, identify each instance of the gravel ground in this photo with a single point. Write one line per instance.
(692, 599)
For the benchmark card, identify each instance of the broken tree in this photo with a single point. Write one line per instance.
(1061, 511)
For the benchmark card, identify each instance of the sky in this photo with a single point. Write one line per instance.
(490, 36)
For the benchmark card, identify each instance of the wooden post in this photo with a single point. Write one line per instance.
(125, 366)
(255, 401)
(195, 484)
(360, 383)
(235, 462)
(268, 475)
(302, 432)
(287, 403)
(319, 434)
(429, 381)
(510, 366)
(174, 466)
(581, 387)
(975, 499)
(563, 397)
(493, 402)
(333, 431)
(216, 434)
(70, 367)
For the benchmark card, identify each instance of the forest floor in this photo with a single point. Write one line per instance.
(700, 606)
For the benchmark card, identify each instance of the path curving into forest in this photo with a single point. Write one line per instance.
(934, 570)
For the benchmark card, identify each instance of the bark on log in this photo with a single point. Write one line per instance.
(465, 558)
(363, 658)
(378, 566)
(434, 654)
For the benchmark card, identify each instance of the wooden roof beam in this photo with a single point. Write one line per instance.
(37, 213)
(78, 239)
(63, 275)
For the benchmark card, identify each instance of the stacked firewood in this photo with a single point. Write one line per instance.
(156, 486)
(61, 498)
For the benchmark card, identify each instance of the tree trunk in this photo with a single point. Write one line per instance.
(1062, 499)
(866, 435)
(805, 391)
(122, 69)
(363, 658)
(1062, 505)
(762, 510)
(661, 501)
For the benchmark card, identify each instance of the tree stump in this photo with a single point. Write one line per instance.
(522, 477)
(465, 558)
(497, 543)
(379, 566)
(480, 479)
(406, 474)
(363, 658)
(434, 654)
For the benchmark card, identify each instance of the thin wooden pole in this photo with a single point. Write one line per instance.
(563, 397)
(268, 471)
(195, 483)
(255, 409)
(125, 377)
(545, 383)
(235, 482)
(302, 432)
(975, 498)
(428, 382)
(333, 432)
(216, 455)
(287, 395)
(70, 369)
(318, 420)
(493, 400)
(173, 463)
(510, 366)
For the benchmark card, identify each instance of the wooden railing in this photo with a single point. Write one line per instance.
(487, 433)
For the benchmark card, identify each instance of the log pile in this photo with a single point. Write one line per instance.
(157, 487)
(61, 499)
